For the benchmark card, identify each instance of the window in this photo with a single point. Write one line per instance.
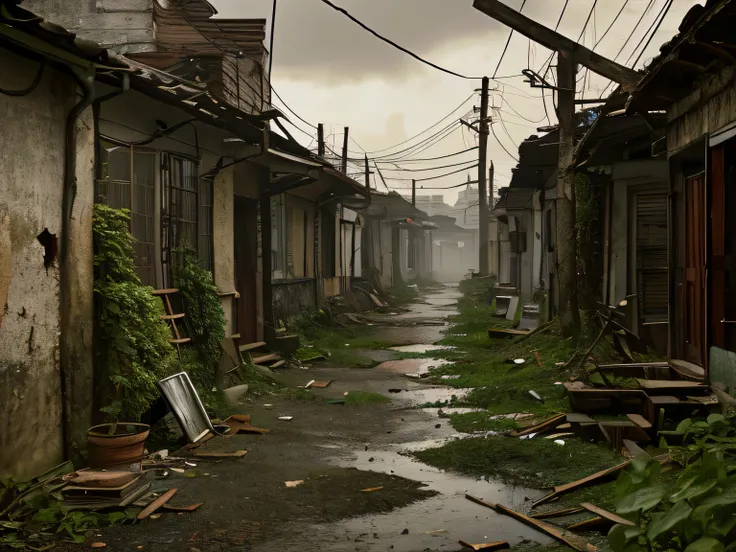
(652, 279)
(116, 191)
(184, 199)
(412, 253)
(278, 238)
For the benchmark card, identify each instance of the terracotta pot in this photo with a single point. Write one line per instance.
(125, 446)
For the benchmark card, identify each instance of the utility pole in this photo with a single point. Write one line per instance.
(321, 140)
(345, 151)
(569, 54)
(491, 186)
(413, 192)
(367, 174)
(566, 242)
(482, 188)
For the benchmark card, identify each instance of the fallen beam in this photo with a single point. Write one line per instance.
(156, 504)
(605, 514)
(549, 423)
(558, 513)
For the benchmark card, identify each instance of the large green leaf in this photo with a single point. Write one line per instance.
(695, 487)
(664, 522)
(706, 544)
(620, 537)
(642, 500)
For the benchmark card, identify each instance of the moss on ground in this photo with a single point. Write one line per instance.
(361, 398)
(536, 463)
(474, 422)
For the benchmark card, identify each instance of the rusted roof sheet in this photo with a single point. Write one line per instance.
(705, 43)
(188, 28)
(15, 18)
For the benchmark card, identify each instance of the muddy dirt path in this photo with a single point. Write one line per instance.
(338, 450)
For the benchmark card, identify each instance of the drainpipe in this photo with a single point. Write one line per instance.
(66, 369)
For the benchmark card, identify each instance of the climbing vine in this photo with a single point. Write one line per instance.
(132, 342)
(204, 313)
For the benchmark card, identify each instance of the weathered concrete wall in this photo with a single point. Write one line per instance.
(224, 242)
(123, 25)
(32, 146)
(708, 109)
(293, 298)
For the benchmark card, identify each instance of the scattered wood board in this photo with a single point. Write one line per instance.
(669, 385)
(101, 479)
(236, 454)
(190, 508)
(634, 449)
(558, 513)
(500, 545)
(588, 524)
(549, 423)
(321, 384)
(571, 540)
(371, 489)
(610, 516)
(578, 418)
(376, 301)
(505, 332)
(156, 504)
(538, 357)
(243, 418)
(559, 490)
(640, 421)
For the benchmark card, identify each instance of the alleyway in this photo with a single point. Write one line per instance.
(338, 450)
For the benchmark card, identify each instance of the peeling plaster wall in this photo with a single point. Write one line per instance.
(32, 145)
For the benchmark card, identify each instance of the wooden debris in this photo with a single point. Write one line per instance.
(558, 513)
(578, 418)
(371, 489)
(156, 504)
(633, 449)
(669, 385)
(591, 479)
(549, 423)
(189, 508)
(574, 541)
(505, 332)
(240, 427)
(605, 514)
(321, 384)
(242, 418)
(100, 479)
(640, 421)
(539, 358)
(500, 545)
(588, 524)
(236, 454)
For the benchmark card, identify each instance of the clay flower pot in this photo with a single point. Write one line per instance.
(116, 444)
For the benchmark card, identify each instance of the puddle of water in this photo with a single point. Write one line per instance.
(413, 365)
(432, 395)
(421, 348)
(448, 411)
(439, 522)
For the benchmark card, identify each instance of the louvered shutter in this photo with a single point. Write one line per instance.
(651, 257)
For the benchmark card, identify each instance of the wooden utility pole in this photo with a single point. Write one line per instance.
(483, 236)
(345, 151)
(569, 54)
(413, 192)
(491, 186)
(321, 140)
(367, 174)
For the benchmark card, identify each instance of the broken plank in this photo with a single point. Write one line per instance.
(156, 504)
(571, 540)
(588, 524)
(664, 385)
(480, 501)
(610, 516)
(549, 423)
(500, 545)
(243, 418)
(593, 478)
(236, 454)
(321, 384)
(503, 332)
(101, 479)
(190, 508)
(558, 513)
(579, 418)
(640, 421)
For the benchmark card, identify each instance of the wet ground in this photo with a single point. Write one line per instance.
(338, 451)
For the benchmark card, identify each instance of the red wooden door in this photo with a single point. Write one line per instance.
(694, 300)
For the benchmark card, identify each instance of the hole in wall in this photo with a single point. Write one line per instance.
(50, 246)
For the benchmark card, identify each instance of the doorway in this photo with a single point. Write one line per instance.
(246, 267)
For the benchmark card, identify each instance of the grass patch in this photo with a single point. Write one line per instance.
(537, 463)
(362, 398)
(473, 422)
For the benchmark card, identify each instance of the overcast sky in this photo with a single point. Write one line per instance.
(329, 70)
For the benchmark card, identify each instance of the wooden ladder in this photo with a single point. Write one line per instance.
(171, 317)
(249, 355)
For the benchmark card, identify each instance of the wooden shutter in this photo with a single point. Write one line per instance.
(651, 257)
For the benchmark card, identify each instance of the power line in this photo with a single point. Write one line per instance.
(506, 47)
(435, 158)
(394, 44)
(425, 169)
(270, 47)
(655, 25)
(447, 174)
(590, 14)
(425, 130)
(493, 131)
(419, 146)
(292, 111)
(615, 19)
